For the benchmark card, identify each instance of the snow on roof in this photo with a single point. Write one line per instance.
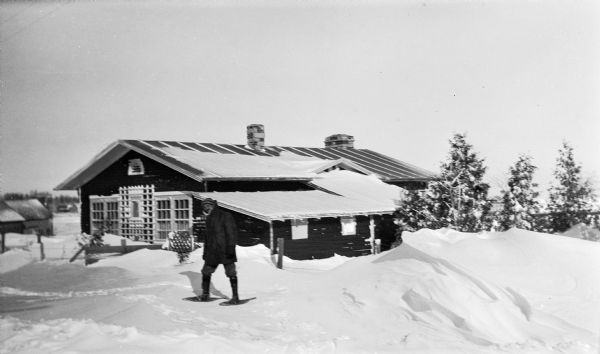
(243, 166)
(270, 206)
(30, 209)
(7, 214)
(358, 186)
(200, 161)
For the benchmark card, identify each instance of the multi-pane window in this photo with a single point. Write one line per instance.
(182, 215)
(173, 213)
(140, 213)
(163, 218)
(97, 216)
(105, 215)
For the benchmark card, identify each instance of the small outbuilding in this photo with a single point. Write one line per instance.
(10, 220)
(25, 216)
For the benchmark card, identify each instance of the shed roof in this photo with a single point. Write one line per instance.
(30, 209)
(202, 161)
(7, 214)
(270, 206)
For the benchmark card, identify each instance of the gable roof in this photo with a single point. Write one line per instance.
(7, 214)
(206, 161)
(30, 209)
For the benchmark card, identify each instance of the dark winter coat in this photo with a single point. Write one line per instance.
(221, 238)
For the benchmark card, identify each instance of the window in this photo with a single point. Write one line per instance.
(348, 225)
(173, 213)
(299, 229)
(136, 167)
(163, 218)
(104, 214)
(182, 215)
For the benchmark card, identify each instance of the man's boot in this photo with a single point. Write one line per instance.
(205, 288)
(234, 290)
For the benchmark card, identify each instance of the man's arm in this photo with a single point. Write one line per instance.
(231, 234)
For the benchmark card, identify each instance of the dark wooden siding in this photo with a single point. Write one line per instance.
(115, 176)
(324, 240)
(165, 179)
(256, 186)
(251, 232)
(16, 226)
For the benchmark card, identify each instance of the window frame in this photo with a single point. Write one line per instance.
(299, 229)
(348, 224)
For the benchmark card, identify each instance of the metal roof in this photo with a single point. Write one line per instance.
(385, 167)
(177, 155)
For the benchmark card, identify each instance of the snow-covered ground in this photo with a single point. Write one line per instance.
(440, 292)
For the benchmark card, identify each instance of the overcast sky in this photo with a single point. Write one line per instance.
(401, 76)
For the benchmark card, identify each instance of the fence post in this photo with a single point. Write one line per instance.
(124, 245)
(39, 239)
(280, 249)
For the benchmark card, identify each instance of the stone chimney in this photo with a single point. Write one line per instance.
(256, 136)
(339, 141)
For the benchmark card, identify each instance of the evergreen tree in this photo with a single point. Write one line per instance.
(571, 199)
(414, 213)
(457, 199)
(519, 200)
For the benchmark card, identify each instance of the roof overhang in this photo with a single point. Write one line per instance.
(98, 163)
(110, 155)
(280, 206)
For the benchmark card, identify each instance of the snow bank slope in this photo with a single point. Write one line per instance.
(440, 292)
(559, 275)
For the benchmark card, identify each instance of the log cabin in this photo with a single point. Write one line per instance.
(324, 201)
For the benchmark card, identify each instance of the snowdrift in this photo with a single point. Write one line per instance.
(441, 291)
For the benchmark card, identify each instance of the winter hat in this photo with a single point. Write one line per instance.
(209, 201)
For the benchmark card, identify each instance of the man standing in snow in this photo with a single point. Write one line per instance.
(219, 247)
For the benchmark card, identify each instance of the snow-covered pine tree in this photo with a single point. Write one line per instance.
(570, 199)
(519, 201)
(414, 213)
(460, 196)
(457, 199)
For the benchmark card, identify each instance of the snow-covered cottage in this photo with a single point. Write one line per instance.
(324, 200)
(25, 216)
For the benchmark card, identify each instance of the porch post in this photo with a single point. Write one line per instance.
(271, 237)
(372, 233)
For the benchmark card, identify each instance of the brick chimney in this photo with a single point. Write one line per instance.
(339, 141)
(256, 136)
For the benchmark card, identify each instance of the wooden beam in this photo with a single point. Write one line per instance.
(120, 249)
(280, 250)
(372, 233)
(271, 238)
